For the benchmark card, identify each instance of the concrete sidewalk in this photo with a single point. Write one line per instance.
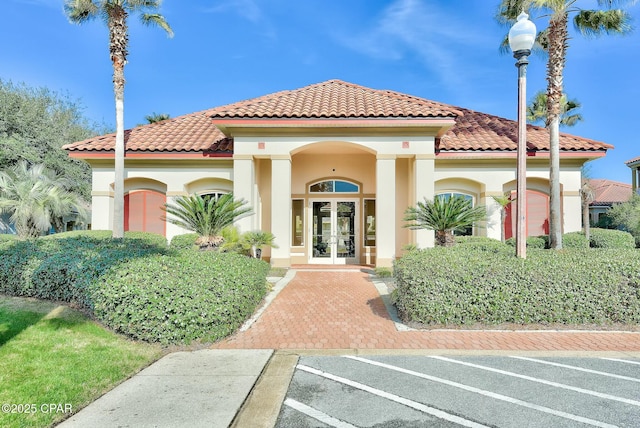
(197, 389)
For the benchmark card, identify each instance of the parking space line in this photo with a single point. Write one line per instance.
(405, 401)
(317, 414)
(543, 381)
(621, 361)
(486, 393)
(581, 369)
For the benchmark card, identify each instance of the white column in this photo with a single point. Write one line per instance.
(385, 210)
(281, 209)
(101, 211)
(494, 226)
(244, 180)
(424, 184)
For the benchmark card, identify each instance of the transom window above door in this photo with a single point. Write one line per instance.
(334, 186)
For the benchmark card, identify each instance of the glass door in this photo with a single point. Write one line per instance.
(333, 232)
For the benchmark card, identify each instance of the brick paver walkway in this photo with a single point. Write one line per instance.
(343, 310)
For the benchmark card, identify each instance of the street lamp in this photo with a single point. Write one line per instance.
(522, 36)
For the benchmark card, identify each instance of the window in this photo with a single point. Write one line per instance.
(334, 186)
(369, 222)
(447, 195)
(214, 194)
(297, 222)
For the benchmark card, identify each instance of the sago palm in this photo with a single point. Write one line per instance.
(444, 216)
(34, 198)
(115, 13)
(555, 40)
(206, 216)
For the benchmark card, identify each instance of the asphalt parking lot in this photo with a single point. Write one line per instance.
(468, 391)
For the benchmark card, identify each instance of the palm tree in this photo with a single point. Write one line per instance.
(35, 198)
(555, 40)
(115, 13)
(207, 216)
(504, 201)
(537, 110)
(156, 117)
(444, 216)
(258, 239)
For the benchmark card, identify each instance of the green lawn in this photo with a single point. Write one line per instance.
(53, 355)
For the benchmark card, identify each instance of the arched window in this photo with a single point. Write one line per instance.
(447, 195)
(214, 194)
(334, 186)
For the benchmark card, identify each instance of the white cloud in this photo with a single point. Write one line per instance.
(420, 28)
(249, 10)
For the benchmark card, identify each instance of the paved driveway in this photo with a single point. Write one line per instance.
(442, 391)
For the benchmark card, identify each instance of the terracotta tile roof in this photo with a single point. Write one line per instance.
(630, 161)
(335, 99)
(196, 132)
(193, 132)
(608, 192)
(480, 131)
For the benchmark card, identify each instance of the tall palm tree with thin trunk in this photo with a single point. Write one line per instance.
(555, 40)
(115, 13)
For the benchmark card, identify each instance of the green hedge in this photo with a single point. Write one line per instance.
(61, 267)
(483, 243)
(463, 285)
(575, 240)
(175, 299)
(136, 285)
(540, 242)
(186, 241)
(609, 238)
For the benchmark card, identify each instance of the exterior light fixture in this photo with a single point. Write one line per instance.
(522, 36)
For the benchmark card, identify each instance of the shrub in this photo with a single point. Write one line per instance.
(463, 285)
(575, 240)
(7, 237)
(176, 299)
(186, 241)
(482, 243)
(62, 266)
(383, 272)
(608, 238)
(146, 237)
(539, 242)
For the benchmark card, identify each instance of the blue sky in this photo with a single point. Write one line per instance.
(230, 50)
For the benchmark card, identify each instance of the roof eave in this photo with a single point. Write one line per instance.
(233, 127)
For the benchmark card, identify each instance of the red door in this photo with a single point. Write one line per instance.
(143, 211)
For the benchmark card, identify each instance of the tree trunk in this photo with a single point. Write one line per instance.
(118, 41)
(586, 227)
(555, 67)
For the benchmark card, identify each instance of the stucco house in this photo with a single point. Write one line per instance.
(330, 168)
(606, 194)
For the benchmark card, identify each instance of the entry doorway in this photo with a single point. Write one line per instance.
(333, 233)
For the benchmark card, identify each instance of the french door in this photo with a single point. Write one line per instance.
(333, 231)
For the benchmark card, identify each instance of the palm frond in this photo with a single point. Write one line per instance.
(158, 20)
(598, 22)
(80, 11)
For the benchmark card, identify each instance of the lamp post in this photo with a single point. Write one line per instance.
(522, 36)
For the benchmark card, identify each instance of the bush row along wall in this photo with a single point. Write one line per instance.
(137, 286)
(486, 283)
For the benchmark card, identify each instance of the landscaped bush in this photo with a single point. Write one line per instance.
(61, 267)
(575, 240)
(482, 243)
(186, 241)
(147, 237)
(608, 238)
(464, 285)
(540, 242)
(179, 298)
